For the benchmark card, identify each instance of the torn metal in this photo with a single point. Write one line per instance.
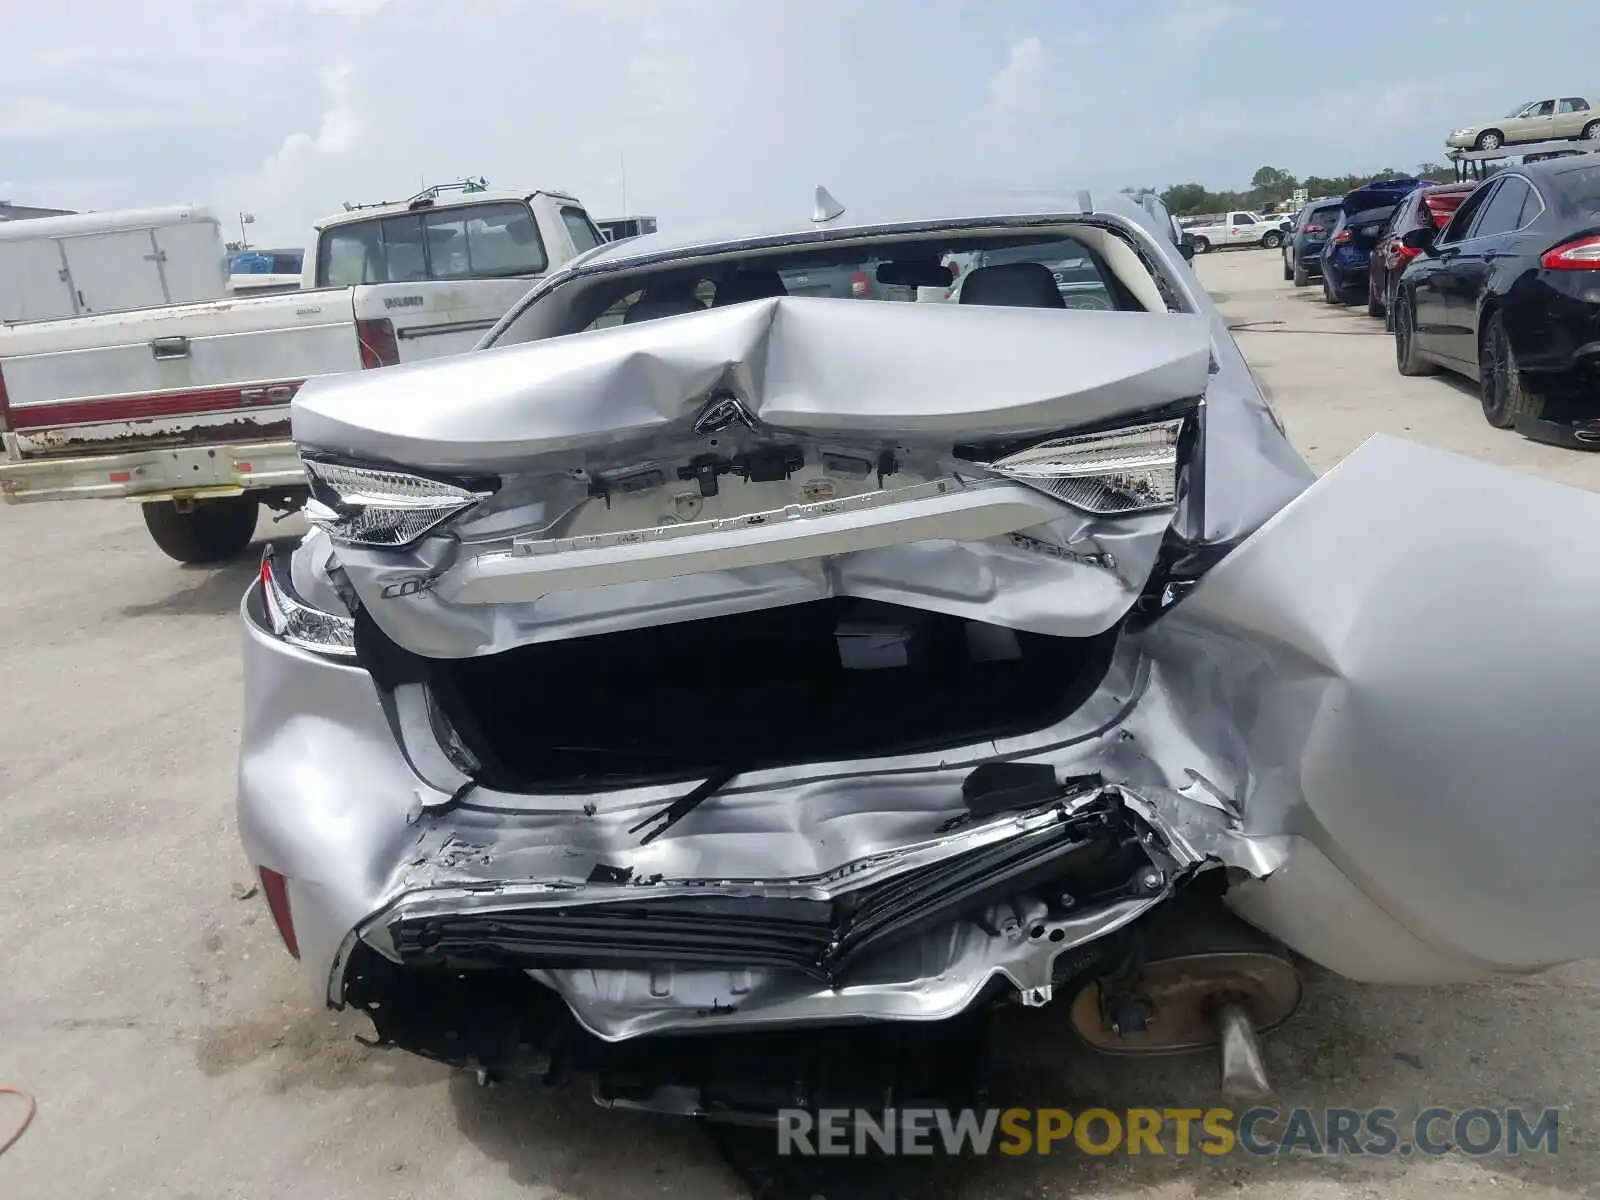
(801, 664)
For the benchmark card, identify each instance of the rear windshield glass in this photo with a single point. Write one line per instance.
(1067, 275)
(1032, 271)
(471, 242)
(1581, 185)
(1324, 217)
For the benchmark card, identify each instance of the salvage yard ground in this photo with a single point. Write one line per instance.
(145, 1000)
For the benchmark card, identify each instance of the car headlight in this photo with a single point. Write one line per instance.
(294, 621)
(365, 506)
(1120, 471)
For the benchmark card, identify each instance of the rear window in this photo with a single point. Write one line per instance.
(1581, 185)
(955, 267)
(470, 242)
(1324, 217)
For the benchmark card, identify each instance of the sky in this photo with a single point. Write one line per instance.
(716, 110)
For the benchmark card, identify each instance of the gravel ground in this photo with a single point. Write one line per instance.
(146, 1002)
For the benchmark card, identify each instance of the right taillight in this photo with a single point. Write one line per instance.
(1341, 237)
(860, 285)
(1119, 471)
(379, 347)
(1580, 254)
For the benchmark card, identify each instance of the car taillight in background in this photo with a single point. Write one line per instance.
(1341, 237)
(1311, 229)
(860, 285)
(379, 348)
(1580, 254)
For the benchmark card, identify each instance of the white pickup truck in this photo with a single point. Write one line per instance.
(1238, 229)
(185, 408)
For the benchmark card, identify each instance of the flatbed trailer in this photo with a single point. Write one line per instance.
(1473, 165)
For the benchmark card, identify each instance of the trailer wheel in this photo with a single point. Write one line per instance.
(207, 531)
(1489, 139)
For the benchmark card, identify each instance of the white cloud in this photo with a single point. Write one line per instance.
(304, 157)
(1019, 88)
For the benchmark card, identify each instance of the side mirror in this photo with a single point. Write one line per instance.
(1419, 239)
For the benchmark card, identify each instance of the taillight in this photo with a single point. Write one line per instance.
(860, 285)
(276, 889)
(299, 624)
(1580, 254)
(1341, 237)
(379, 348)
(1405, 251)
(5, 403)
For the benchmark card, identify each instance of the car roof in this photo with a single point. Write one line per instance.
(1022, 208)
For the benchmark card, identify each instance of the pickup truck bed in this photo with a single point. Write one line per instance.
(185, 408)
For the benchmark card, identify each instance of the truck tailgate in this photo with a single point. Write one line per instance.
(217, 370)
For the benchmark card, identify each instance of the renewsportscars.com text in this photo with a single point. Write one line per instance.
(1260, 1131)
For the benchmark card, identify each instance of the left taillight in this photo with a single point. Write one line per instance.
(299, 624)
(379, 345)
(1580, 254)
(1341, 237)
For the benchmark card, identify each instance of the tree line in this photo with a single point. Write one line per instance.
(1272, 187)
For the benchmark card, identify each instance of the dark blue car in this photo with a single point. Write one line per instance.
(1302, 245)
(1347, 257)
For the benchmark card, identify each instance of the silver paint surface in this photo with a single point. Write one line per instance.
(1372, 708)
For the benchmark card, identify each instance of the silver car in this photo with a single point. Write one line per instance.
(763, 665)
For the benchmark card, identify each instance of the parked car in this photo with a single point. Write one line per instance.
(1237, 229)
(1508, 294)
(1425, 208)
(1538, 121)
(1347, 254)
(185, 408)
(863, 671)
(1302, 245)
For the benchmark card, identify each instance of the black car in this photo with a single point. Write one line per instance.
(1303, 243)
(1508, 294)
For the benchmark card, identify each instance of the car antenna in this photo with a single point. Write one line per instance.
(825, 208)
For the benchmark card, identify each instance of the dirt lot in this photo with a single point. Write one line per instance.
(175, 1053)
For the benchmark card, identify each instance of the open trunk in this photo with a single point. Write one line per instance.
(821, 681)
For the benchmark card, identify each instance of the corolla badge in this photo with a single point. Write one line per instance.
(722, 412)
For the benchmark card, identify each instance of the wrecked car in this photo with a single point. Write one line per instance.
(721, 693)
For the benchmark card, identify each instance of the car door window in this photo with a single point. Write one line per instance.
(1574, 104)
(1502, 213)
(1459, 223)
(1243, 219)
(1544, 108)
